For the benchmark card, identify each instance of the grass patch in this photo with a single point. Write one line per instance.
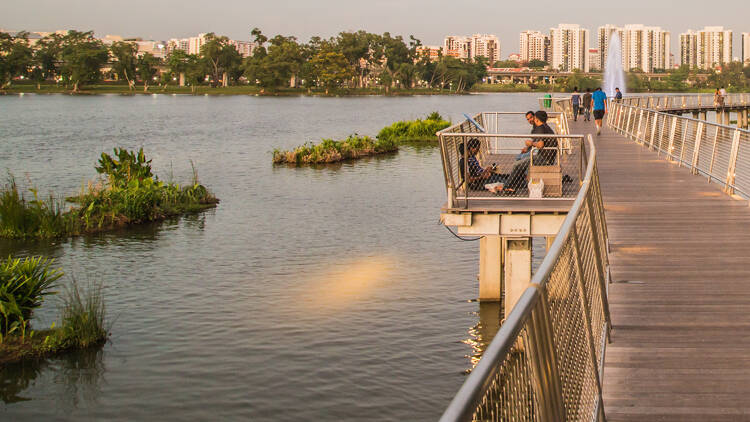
(331, 151)
(414, 130)
(129, 194)
(83, 326)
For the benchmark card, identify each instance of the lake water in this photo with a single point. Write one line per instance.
(328, 293)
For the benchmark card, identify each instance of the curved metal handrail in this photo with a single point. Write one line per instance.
(527, 338)
(718, 151)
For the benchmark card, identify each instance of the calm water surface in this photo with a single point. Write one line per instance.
(327, 293)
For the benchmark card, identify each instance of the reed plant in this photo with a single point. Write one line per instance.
(83, 316)
(414, 130)
(21, 217)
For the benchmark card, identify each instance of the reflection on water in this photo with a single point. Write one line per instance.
(348, 281)
(481, 335)
(77, 377)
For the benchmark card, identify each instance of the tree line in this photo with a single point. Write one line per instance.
(349, 60)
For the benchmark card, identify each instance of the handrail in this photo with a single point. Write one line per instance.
(534, 369)
(719, 152)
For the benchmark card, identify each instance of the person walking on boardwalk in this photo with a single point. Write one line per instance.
(600, 108)
(576, 100)
(587, 105)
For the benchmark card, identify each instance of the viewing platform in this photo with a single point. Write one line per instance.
(661, 273)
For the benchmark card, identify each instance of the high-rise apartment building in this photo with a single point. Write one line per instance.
(457, 46)
(746, 48)
(178, 44)
(642, 47)
(478, 45)
(604, 36)
(570, 47)
(534, 45)
(432, 52)
(195, 44)
(707, 48)
(485, 45)
(645, 48)
(595, 58)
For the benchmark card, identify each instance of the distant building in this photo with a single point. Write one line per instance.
(245, 48)
(604, 36)
(478, 45)
(485, 45)
(533, 45)
(433, 52)
(457, 46)
(514, 57)
(178, 44)
(707, 48)
(746, 48)
(570, 46)
(595, 61)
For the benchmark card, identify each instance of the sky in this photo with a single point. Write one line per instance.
(428, 20)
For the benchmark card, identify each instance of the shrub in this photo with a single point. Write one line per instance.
(329, 150)
(415, 130)
(23, 286)
(21, 218)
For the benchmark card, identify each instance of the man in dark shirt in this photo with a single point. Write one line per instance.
(546, 156)
(587, 105)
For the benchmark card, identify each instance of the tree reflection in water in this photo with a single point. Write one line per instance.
(78, 375)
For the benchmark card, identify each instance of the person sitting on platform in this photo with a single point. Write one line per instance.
(546, 156)
(479, 176)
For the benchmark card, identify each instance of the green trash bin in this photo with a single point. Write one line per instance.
(547, 100)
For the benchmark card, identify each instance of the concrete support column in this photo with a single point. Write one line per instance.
(490, 268)
(517, 270)
(695, 115)
(182, 78)
(704, 115)
(727, 118)
(743, 119)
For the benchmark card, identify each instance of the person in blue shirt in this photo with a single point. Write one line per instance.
(600, 108)
(618, 94)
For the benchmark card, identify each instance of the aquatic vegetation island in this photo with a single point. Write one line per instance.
(129, 194)
(353, 147)
(24, 284)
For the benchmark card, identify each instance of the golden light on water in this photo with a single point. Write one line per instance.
(347, 282)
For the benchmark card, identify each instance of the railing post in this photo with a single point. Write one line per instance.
(654, 120)
(697, 146)
(587, 318)
(733, 162)
(671, 137)
(684, 138)
(640, 137)
(599, 265)
(661, 137)
(627, 124)
(713, 155)
(547, 381)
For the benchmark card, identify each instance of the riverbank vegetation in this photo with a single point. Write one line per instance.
(353, 147)
(24, 285)
(76, 61)
(129, 193)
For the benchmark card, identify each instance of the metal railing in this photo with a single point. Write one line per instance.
(720, 153)
(497, 171)
(545, 363)
(694, 101)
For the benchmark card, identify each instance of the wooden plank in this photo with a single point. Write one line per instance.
(680, 346)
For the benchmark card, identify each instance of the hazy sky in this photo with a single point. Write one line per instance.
(428, 20)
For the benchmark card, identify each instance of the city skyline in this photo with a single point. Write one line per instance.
(327, 18)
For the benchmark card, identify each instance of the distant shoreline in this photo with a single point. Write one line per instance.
(100, 89)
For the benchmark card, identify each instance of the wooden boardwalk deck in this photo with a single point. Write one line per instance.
(680, 297)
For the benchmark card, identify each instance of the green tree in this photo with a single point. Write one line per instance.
(278, 66)
(82, 56)
(355, 46)
(507, 63)
(147, 68)
(15, 57)
(124, 65)
(47, 52)
(220, 57)
(331, 69)
(537, 64)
